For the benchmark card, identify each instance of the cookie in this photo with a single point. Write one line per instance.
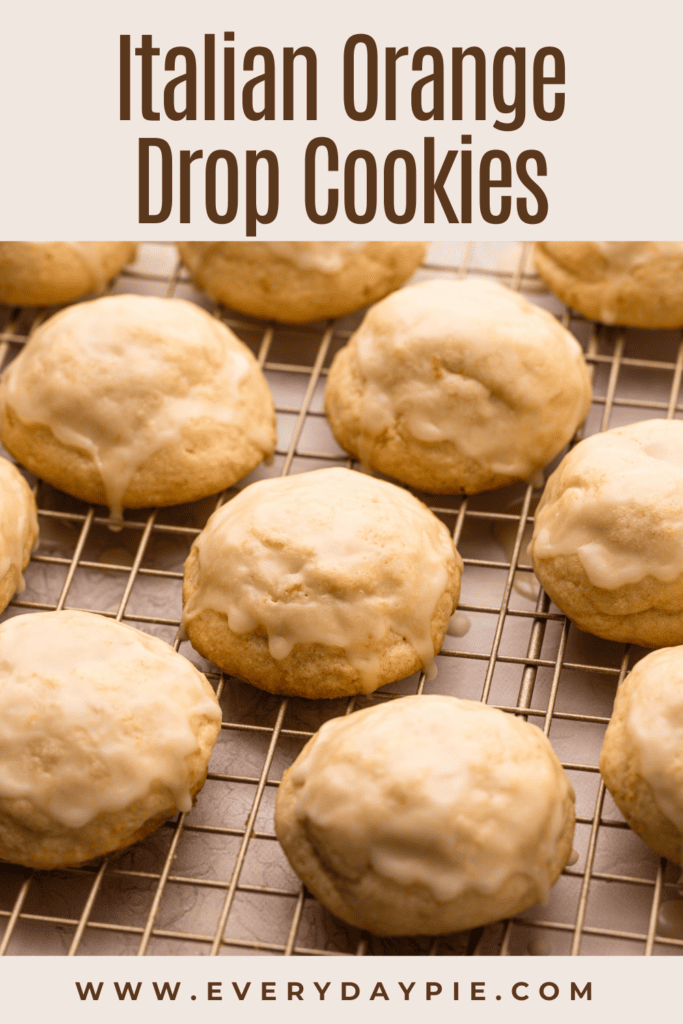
(641, 755)
(633, 284)
(133, 401)
(426, 815)
(297, 282)
(49, 273)
(322, 584)
(105, 732)
(608, 534)
(18, 530)
(457, 387)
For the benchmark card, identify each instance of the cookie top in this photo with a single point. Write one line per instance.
(136, 400)
(616, 501)
(18, 529)
(96, 718)
(608, 534)
(433, 796)
(297, 282)
(331, 558)
(47, 273)
(640, 759)
(633, 284)
(457, 386)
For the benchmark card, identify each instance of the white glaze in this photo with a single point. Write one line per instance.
(330, 557)
(18, 519)
(473, 364)
(459, 624)
(119, 377)
(616, 502)
(93, 714)
(448, 794)
(627, 255)
(324, 257)
(655, 725)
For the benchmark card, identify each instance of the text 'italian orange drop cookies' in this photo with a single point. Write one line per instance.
(426, 815)
(133, 401)
(457, 387)
(321, 584)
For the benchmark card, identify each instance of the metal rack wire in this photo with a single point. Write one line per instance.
(215, 881)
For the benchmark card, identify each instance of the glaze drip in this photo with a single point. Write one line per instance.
(330, 557)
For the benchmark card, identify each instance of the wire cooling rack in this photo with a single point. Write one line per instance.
(214, 881)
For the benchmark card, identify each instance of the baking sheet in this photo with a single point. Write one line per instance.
(215, 880)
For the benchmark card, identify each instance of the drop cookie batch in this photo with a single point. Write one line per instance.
(404, 814)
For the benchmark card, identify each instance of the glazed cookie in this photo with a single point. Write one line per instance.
(608, 534)
(132, 401)
(297, 282)
(457, 387)
(641, 756)
(634, 284)
(105, 732)
(18, 530)
(322, 584)
(48, 273)
(426, 815)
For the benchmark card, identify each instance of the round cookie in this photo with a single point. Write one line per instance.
(633, 284)
(105, 732)
(49, 273)
(322, 584)
(641, 755)
(297, 282)
(608, 534)
(457, 387)
(133, 400)
(426, 815)
(18, 530)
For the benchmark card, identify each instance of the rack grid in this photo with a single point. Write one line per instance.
(214, 881)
